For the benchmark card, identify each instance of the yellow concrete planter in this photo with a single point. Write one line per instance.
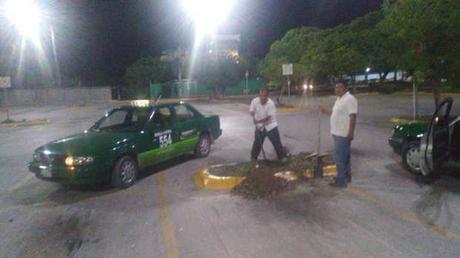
(205, 180)
(290, 109)
(27, 123)
(328, 171)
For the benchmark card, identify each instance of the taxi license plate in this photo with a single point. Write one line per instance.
(45, 172)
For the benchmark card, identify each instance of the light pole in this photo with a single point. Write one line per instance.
(56, 64)
(367, 74)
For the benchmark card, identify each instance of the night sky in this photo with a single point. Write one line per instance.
(99, 38)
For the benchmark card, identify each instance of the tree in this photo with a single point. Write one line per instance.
(218, 73)
(145, 70)
(428, 32)
(288, 50)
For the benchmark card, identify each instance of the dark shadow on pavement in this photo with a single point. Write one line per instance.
(39, 192)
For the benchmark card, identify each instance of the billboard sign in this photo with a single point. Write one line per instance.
(5, 82)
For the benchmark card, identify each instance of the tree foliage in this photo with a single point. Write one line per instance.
(146, 70)
(418, 36)
(428, 33)
(287, 50)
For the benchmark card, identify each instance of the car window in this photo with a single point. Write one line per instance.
(162, 117)
(183, 113)
(115, 118)
(123, 120)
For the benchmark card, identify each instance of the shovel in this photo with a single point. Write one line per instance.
(316, 156)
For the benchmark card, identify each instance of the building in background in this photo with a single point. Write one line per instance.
(224, 45)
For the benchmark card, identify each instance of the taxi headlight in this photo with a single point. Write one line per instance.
(78, 161)
(36, 156)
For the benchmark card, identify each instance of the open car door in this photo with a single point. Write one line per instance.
(434, 149)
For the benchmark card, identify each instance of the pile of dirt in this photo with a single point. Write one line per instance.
(263, 182)
(267, 178)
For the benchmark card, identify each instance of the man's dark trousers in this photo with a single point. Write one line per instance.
(342, 159)
(273, 136)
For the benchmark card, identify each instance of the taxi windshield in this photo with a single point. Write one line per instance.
(129, 120)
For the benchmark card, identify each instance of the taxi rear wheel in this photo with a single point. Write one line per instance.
(203, 147)
(124, 172)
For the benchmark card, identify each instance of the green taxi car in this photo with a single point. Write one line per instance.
(427, 148)
(123, 142)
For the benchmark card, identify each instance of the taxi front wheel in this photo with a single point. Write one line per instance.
(411, 157)
(203, 147)
(124, 172)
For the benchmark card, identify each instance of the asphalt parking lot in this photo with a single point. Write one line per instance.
(386, 212)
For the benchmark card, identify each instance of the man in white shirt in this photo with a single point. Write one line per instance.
(343, 123)
(263, 112)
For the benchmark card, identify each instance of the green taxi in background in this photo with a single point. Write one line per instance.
(123, 142)
(428, 148)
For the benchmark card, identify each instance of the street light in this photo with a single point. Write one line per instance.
(367, 73)
(208, 15)
(26, 17)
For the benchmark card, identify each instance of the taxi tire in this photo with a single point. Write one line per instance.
(117, 180)
(198, 150)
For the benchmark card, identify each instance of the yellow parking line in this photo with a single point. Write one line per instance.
(165, 218)
(402, 213)
(21, 182)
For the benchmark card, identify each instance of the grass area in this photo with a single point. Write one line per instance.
(23, 122)
(285, 106)
(8, 121)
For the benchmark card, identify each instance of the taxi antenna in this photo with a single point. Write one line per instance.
(158, 99)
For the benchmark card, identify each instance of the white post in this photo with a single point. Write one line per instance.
(5, 102)
(289, 88)
(247, 89)
(414, 101)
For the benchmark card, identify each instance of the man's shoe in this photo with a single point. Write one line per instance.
(338, 184)
(349, 180)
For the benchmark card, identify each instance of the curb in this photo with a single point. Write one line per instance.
(280, 109)
(81, 107)
(204, 180)
(172, 100)
(400, 120)
(442, 94)
(27, 123)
